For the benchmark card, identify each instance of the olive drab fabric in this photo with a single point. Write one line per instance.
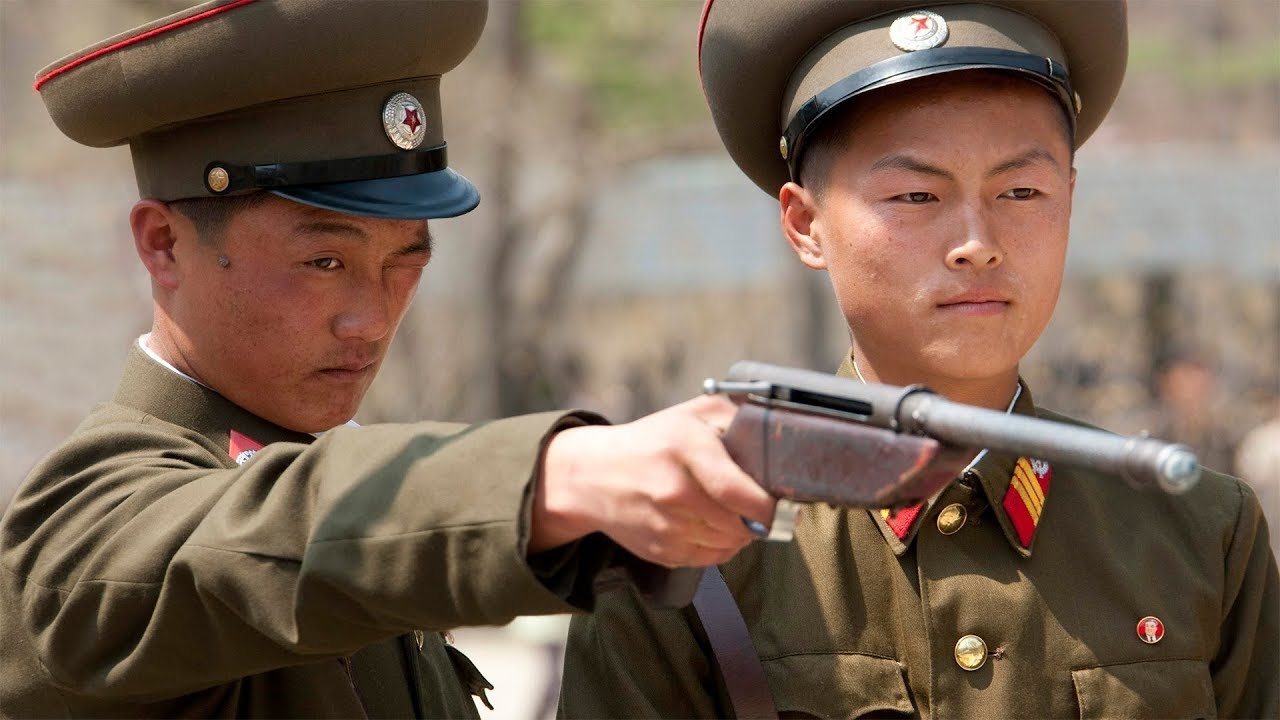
(146, 573)
(850, 619)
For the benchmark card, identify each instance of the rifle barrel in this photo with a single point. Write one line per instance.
(1140, 460)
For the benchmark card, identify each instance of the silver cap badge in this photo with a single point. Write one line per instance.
(404, 121)
(920, 30)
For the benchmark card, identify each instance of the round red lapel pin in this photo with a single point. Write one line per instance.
(1150, 630)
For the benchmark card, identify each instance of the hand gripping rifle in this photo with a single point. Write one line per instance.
(809, 437)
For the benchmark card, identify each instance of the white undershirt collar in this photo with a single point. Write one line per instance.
(142, 343)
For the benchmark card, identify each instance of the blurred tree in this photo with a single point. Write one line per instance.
(612, 85)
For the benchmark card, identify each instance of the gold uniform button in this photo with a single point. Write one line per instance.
(218, 179)
(952, 518)
(971, 652)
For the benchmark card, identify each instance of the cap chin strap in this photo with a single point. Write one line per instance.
(922, 63)
(317, 172)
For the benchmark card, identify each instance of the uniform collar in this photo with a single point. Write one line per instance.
(1015, 488)
(174, 398)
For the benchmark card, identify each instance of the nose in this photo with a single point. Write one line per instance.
(366, 315)
(978, 248)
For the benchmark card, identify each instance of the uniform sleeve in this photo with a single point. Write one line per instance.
(631, 660)
(1248, 660)
(140, 566)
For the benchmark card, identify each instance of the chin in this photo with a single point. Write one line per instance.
(970, 364)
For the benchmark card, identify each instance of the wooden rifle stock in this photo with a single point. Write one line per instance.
(808, 457)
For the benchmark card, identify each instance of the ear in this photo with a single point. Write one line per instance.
(799, 211)
(155, 231)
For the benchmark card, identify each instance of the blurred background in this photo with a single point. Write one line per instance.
(618, 257)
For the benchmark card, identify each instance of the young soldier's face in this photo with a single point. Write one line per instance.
(943, 225)
(298, 323)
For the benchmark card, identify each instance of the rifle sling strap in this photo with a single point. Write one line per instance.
(731, 645)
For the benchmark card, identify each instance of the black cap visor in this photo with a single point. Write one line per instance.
(440, 194)
(411, 186)
(1053, 76)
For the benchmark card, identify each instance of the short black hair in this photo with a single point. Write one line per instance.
(210, 215)
(820, 150)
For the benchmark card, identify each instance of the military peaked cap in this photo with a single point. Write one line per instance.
(332, 104)
(772, 71)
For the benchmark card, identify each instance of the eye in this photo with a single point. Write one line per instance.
(1020, 193)
(326, 263)
(916, 198)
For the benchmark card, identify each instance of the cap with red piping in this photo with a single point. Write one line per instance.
(773, 71)
(333, 104)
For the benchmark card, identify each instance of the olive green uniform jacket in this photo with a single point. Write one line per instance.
(143, 572)
(850, 620)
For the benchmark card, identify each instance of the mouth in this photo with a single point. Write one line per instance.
(983, 302)
(349, 372)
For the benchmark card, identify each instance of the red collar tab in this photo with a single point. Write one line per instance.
(242, 447)
(900, 521)
(1024, 501)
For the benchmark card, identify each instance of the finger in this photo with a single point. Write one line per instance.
(711, 523)
(732, 489)
(714, 410)
(707, 516)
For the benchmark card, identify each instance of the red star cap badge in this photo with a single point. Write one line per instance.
(411, 118)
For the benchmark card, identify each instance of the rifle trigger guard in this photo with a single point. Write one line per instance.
(783, 528)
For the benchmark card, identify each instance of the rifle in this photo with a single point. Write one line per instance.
(809, 437)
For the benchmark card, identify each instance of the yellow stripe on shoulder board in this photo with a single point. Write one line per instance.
(1024, 470)
(1027, 502)
(1028, 490)
(1024, 476)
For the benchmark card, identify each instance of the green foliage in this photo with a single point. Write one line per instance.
(636, 59)
(1226, 67)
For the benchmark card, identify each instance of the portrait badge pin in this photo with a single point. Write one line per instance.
(1150, 630)
(404, 121)
(920, 30)
(242, 447)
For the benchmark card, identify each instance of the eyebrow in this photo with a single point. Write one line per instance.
(424, 242)
(1030, 157)
(910, 164)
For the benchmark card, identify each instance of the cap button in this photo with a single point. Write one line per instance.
(782, 146)
(971, 652)
(218, 180)
(952, 518)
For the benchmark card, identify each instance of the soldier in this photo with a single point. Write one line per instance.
(194, 549)
(922, 156)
